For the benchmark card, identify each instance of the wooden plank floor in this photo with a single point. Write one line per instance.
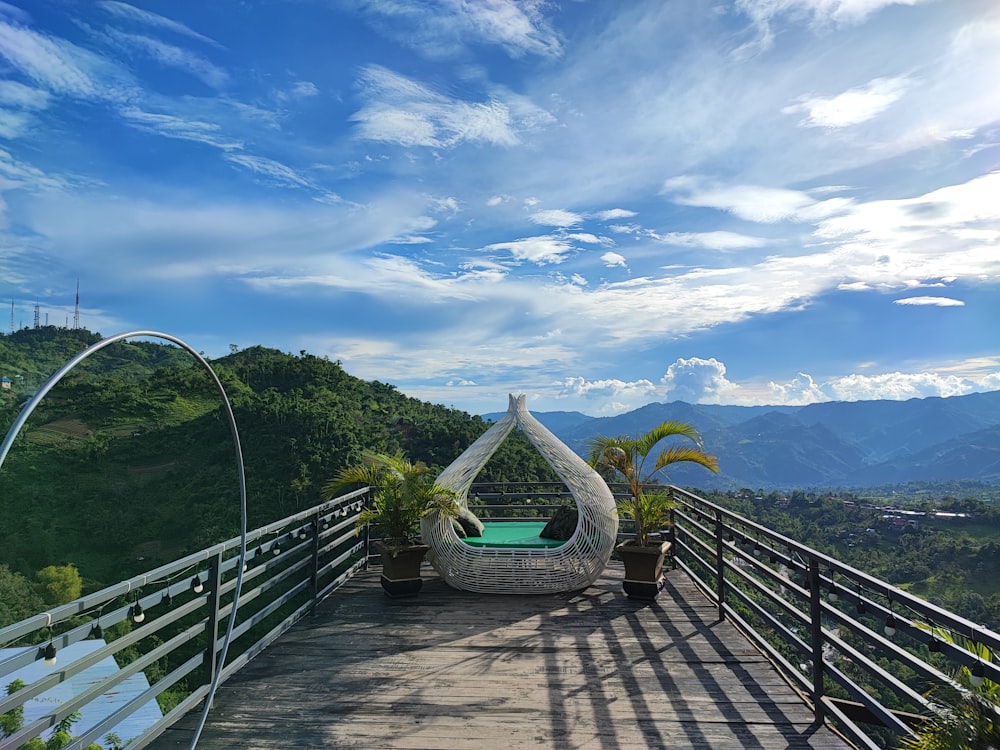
(451, 669)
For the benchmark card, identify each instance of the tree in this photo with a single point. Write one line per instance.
(59, 584)
(624, 459)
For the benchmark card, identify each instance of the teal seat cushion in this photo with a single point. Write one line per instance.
(517, 534)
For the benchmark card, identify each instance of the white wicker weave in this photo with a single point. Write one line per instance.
(571, 566)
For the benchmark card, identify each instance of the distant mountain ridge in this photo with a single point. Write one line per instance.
(842, 444)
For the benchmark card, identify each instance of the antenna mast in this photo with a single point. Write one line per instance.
(76, 313)
(38, 314)
(12, 315)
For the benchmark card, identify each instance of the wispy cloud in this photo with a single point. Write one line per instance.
(442, 28)
(131, 13)
(541, 250)
(173, 126)
(172, 56)
(556, 218)
(402, 111)
(57, 65)
(851, 107)
(930, 302)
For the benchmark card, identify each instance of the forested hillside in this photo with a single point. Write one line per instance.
(128, 462)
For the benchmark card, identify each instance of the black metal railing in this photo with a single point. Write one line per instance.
(168, 625)
(872, 659)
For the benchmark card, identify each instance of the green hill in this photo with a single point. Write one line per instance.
(128, 462)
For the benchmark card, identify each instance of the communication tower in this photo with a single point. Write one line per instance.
(76, 313)
(12, 315)
(38, 315)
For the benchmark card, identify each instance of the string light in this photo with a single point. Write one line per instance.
(49, 654)
(96, 631)
(978, 674)
(832, 594)
(890, 622)
(196, 585)
(137, 614)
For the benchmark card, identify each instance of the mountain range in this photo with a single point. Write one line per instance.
(834, 444)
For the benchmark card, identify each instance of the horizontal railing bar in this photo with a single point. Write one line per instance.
(843, 722)
(88, 660)
(262, 614)
(136, 703)
(86, 603)
(938, 615)
(885, 716)
(788, 669)
(340, 580)
(789, 636)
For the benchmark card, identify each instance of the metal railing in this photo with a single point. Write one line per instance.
(871, 659)
(165, 624)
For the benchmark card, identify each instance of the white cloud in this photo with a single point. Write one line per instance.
(615, 213)
(441, 28)
(541, 250)
(930, 301)
(589, 239)
(751, 202)
(897, 386)
(556, 218)
(612, 260)
(405, 112)
(710, 240)
(622, 394)
(17, 95)
(799, 391)
(699, 381)
(171, 56)
(851, 107)
(172, 126)
(59, 66)
(130, 12)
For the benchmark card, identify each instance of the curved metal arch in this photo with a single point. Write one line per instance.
(22, 418)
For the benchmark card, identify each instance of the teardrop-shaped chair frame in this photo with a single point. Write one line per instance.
(569, 567)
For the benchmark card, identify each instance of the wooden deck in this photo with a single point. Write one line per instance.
(451, 669)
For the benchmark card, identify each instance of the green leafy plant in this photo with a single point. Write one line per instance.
(402, 493)
(632, 461)
(972, 721)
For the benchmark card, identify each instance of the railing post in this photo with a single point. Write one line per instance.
(816, 630)
(672, 538)
(720, 566)
(314, 572)
(214, 584)
(367, 531)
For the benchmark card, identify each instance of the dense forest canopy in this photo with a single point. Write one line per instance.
(128, 462)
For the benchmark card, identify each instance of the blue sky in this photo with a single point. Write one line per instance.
(599, 204)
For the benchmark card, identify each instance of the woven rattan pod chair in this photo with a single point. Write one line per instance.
(573, 565)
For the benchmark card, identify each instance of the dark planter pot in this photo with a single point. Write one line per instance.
(643, 568)
(401, 571)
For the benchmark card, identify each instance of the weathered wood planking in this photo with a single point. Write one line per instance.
(451, 669)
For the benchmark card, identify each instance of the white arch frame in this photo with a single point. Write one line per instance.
(49, 384)
(493, 570)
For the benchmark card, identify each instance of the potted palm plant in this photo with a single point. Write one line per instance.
(632, 461)
(402, 492)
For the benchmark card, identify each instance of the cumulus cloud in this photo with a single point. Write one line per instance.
(613, 260)
(699, 381)
(541, 250)
(852, 107)
(799, 391)
(897, 386)
(617, 392)
(930, 301)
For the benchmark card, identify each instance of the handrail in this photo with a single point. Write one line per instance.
(291, 565)
(773, 588)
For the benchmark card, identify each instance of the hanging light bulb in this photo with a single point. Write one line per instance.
(276, 547)
(832, 593)
(196, 585)
(49, 654)
(890, 625)
(96, 631)
(934, 644)
(976, 678)
(166, 598)
(137, 614)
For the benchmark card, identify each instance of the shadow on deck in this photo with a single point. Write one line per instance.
(452, 669)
